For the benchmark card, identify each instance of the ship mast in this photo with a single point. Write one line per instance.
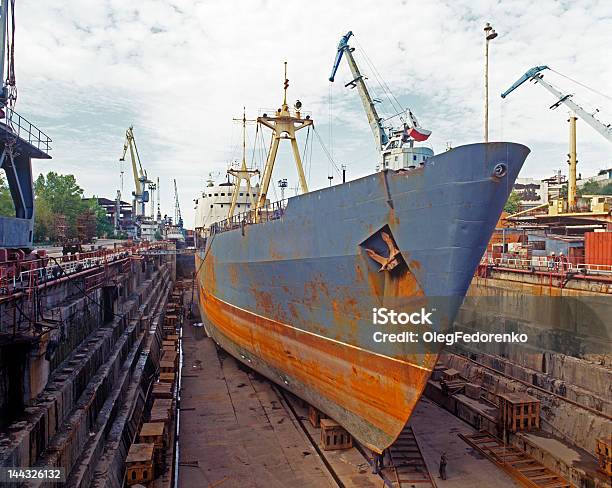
(284, 124)
(243, 173)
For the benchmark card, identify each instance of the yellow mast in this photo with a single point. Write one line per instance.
(572, 161)
(284, 124)
(244, 173)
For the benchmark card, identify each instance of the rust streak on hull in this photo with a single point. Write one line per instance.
(374, 394)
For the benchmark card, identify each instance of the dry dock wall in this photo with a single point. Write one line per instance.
(566, 364)
(74, 417)
(577, 424)
(557, 321)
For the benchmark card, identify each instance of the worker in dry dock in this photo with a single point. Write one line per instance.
(379, 462)
(443, 465)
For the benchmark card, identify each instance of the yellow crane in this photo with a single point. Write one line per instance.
(141, 195)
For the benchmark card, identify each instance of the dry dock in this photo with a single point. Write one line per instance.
(239, 430)
(89, 385)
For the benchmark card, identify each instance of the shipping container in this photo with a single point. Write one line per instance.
(598, 248)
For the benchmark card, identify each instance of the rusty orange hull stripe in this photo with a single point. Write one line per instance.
(379, 390)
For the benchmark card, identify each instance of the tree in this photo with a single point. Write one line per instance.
(513, 204)
(7, 209)
(595, 188)
(62, 193)
(45, 227)
(56, 195)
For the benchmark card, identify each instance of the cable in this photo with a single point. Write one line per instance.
(381, 81)
(581, 84)
(331, 125)
(325, 150)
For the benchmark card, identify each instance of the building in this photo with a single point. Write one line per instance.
(533, 192)
(603, 177)
(125, 219)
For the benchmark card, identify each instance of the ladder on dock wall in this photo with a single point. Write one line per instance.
(407, 466)
(523, 468)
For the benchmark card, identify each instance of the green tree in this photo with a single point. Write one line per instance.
(595, 188)
(513, 203)
(56, 195)
(62, 193)
(45, 228)
(7, 209)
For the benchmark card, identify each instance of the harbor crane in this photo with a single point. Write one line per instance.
(178, 219)
(141, 194)
(535, 75)
(395, 144)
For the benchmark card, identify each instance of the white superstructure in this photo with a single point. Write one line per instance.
(214, 202)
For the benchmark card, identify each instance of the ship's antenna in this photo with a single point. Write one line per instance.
(286, 85)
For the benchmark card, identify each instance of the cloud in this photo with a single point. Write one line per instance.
(181, 71)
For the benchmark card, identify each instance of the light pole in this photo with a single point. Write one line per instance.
(489, 34)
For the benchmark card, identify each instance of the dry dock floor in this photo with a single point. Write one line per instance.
(436, 431)
(236, 430)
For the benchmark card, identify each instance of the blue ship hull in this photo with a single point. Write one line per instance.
(293, 297)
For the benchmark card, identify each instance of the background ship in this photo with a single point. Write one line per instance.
(288, 288)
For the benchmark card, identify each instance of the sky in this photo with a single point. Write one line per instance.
(181, 71)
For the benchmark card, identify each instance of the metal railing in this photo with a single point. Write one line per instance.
(272, 211)
(544, 263)
(53, 270)
(23, 274)
(27, 131)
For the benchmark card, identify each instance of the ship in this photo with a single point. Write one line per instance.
(288, 288)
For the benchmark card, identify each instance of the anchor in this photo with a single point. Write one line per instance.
(389, 263)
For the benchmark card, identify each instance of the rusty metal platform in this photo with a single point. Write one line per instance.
(526, 470)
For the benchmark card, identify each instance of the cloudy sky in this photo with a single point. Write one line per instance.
(180, 71)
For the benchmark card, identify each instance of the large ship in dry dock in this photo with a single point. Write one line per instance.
(288, 288)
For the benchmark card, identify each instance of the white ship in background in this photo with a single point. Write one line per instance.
(215, 201)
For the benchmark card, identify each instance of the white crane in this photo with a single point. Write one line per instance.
(396, 145)
(535, 75)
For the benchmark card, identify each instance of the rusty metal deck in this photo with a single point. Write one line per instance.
(526, 470)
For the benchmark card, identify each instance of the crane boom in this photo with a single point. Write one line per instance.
(130, 143)
(140, 176)
(536, 76)
(178, 219)
(380, 135)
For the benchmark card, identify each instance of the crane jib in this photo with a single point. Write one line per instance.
(341, 47)
(562, 98)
